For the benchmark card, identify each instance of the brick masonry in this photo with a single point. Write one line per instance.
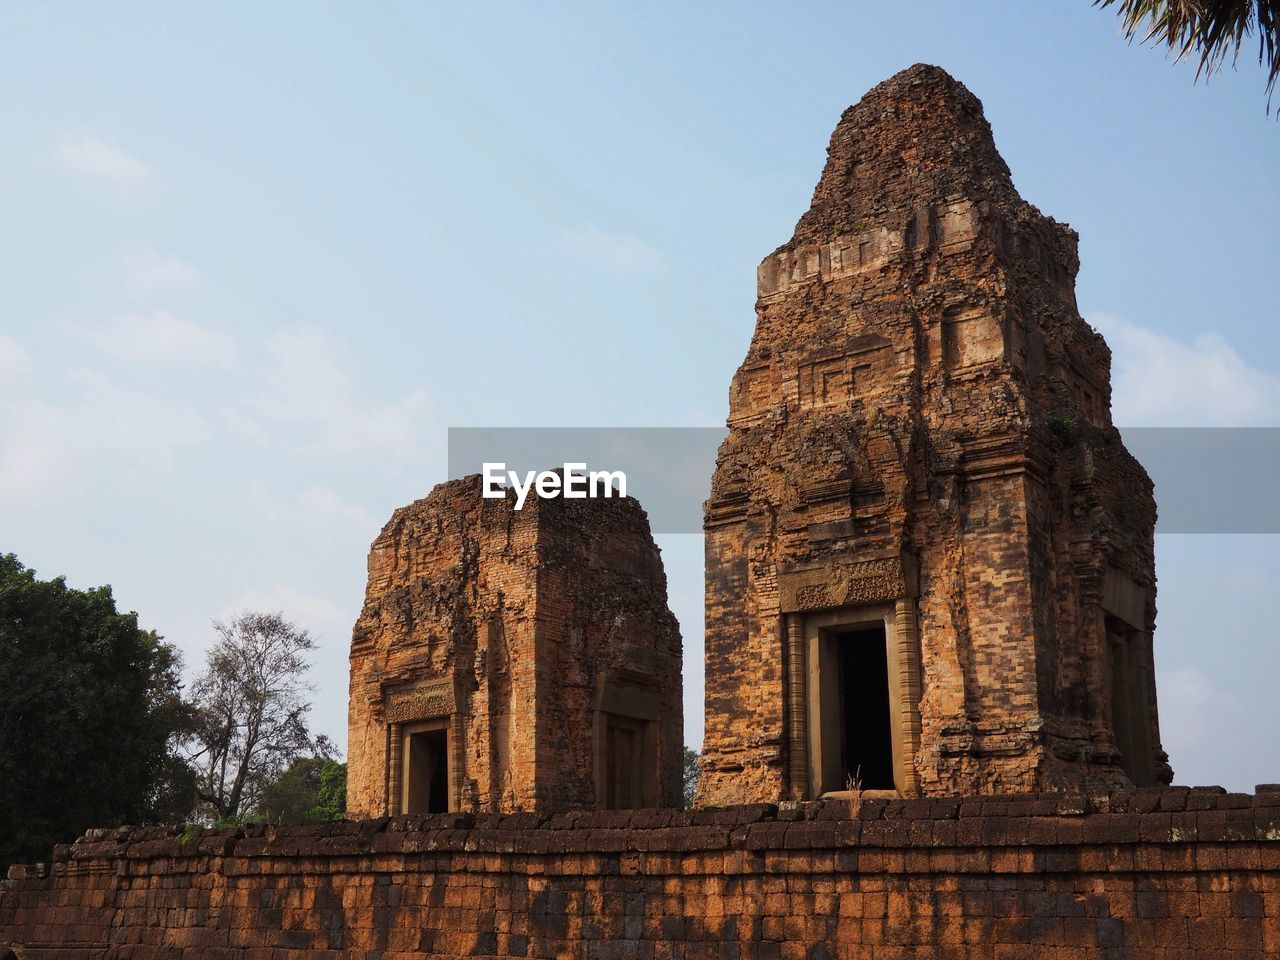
(920, 435)
(519, 632)
(1160, 873)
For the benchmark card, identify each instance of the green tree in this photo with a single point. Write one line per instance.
(1211, 31)
(692, 770)
(331, 798)
(312, 788)
(90, 707)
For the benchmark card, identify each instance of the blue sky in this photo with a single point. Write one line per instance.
(256, 259)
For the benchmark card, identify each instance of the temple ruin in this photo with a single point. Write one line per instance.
(929, 556)
(929, 575)
(514, 660)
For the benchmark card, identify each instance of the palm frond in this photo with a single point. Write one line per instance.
(1213, 31)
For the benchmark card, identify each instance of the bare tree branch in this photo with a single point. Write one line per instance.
(251, 711)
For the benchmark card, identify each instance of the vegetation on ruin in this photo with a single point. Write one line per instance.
(1212, 32)
(1063, 425)
(90, 708)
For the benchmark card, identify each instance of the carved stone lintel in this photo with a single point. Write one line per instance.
(421, 701)
(848, 584)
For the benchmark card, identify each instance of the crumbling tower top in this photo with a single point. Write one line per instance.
(918, 137)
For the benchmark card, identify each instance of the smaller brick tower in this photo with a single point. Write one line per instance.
(514, 660)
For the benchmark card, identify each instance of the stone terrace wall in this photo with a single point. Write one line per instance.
(1152, 874)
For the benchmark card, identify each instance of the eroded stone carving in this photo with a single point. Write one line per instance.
(485, 660)
(964, 475)
(846, 583)
(420, 702)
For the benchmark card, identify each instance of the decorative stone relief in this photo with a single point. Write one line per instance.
(846, 584)
(420, 702)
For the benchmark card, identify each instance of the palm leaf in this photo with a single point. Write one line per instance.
(1213, 31)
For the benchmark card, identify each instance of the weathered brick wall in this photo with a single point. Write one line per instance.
(1166, 873)
(513, 625)
(922, 421)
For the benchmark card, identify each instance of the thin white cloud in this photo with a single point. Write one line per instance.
(298, 399)
(245, 425)
(15, 364)
(99, 159)
(37, 457)
(310, 398)
(147, 274)
(315, 510)
(156, 336)
(320, 616)
(142, 430)
(1158, 380)
(47, 450)
(327, 505)
(619, 252)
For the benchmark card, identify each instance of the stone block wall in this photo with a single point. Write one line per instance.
(1149, 875)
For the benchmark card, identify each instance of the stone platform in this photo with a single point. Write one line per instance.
(1159, 873)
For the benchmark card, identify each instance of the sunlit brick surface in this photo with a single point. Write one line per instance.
(923, 420)
(1151, 875)
(512, 624)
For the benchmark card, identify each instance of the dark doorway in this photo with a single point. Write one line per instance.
(1130, 709)
(866, 753)
(427, 783)
(624, 763)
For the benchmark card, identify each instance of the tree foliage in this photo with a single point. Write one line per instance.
(250, 713)
(312, 788)
(90, 707)
(1212, 31)
(331, 797)
(692, 770)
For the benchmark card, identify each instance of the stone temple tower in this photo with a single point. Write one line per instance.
(514, 660)
(929, 556)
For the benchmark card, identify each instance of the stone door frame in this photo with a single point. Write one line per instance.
(407, 730)
(902, 657)
(633, 697)
(823, 596)
(417, 706)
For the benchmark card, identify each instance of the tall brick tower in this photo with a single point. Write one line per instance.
(929, 556)
(514, 660)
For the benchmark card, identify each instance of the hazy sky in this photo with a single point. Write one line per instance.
(256, 259)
